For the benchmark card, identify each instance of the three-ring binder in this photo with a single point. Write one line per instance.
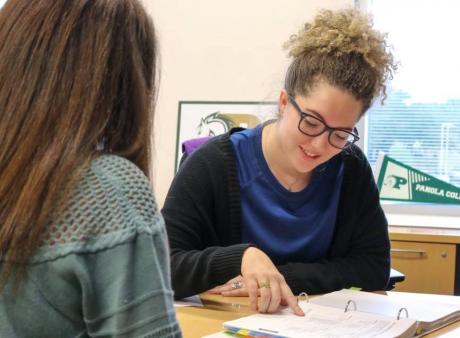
(304, 296)
(398, 316)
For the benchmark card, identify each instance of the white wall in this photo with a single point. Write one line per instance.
(215, 50)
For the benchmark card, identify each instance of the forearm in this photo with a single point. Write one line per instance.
(369, 272)
(359, 256)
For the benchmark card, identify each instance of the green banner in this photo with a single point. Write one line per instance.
(399, 182)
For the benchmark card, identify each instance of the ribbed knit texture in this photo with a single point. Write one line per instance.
(102, 268)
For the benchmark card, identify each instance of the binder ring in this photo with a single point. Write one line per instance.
(348, 304)
(401, 310)
(303, 296)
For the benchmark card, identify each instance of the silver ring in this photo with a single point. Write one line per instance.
(237, 285)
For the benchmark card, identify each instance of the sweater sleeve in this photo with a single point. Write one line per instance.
(126, 287)
(125, 290)
(198, 212)
(104, 264)
(360, 252)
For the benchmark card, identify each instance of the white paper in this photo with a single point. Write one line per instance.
(321, 321)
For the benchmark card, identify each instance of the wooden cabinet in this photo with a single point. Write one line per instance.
(427, 258)
(428, 267)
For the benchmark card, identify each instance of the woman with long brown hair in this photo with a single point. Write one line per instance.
(82, 244)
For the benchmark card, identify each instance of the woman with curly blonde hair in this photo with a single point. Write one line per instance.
(290, 205)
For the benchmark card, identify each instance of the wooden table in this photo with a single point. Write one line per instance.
(201, 321)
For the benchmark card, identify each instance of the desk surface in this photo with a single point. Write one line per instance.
(201, 321)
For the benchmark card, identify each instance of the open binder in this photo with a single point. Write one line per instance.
(348, 313)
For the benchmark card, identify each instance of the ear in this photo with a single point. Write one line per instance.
(283, 102)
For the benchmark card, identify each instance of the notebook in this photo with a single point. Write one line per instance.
(349, 313)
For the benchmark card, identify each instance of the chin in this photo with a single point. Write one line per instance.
(305, 168)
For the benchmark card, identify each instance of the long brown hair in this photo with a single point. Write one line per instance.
(77, 78)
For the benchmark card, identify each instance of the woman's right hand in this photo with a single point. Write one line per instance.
(262, 277)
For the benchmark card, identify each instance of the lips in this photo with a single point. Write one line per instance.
(309, 154)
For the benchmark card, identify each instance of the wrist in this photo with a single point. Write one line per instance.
(247, 252)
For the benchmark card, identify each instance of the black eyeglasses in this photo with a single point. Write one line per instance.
(311, 125)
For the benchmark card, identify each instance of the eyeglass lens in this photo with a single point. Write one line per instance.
(312, 126)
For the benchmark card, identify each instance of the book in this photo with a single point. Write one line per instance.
(348, 313)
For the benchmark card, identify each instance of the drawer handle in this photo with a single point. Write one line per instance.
(409, 251)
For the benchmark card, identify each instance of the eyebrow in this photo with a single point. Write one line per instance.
(316, 114)
(319, 116)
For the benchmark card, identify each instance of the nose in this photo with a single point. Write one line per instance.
(321, 141)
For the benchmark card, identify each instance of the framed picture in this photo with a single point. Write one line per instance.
(210, 118)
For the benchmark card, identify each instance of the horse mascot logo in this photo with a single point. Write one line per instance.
(218, 123)
(214, 124)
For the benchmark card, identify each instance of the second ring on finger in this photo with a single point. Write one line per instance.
(264, 285)
(265, 295)
(275, 296)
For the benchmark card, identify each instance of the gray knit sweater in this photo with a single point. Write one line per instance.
(102, 269)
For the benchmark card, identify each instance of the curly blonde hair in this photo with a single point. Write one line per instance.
(342, 48)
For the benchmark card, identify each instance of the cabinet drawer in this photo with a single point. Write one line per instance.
(429, 267)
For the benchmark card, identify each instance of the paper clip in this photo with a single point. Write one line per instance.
(401, 310)
(348, 304)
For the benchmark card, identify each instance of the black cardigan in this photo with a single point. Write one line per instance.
(203, 219)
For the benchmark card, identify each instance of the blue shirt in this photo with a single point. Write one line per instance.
(287, 226)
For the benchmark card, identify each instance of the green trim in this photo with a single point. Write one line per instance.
(383, 169)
